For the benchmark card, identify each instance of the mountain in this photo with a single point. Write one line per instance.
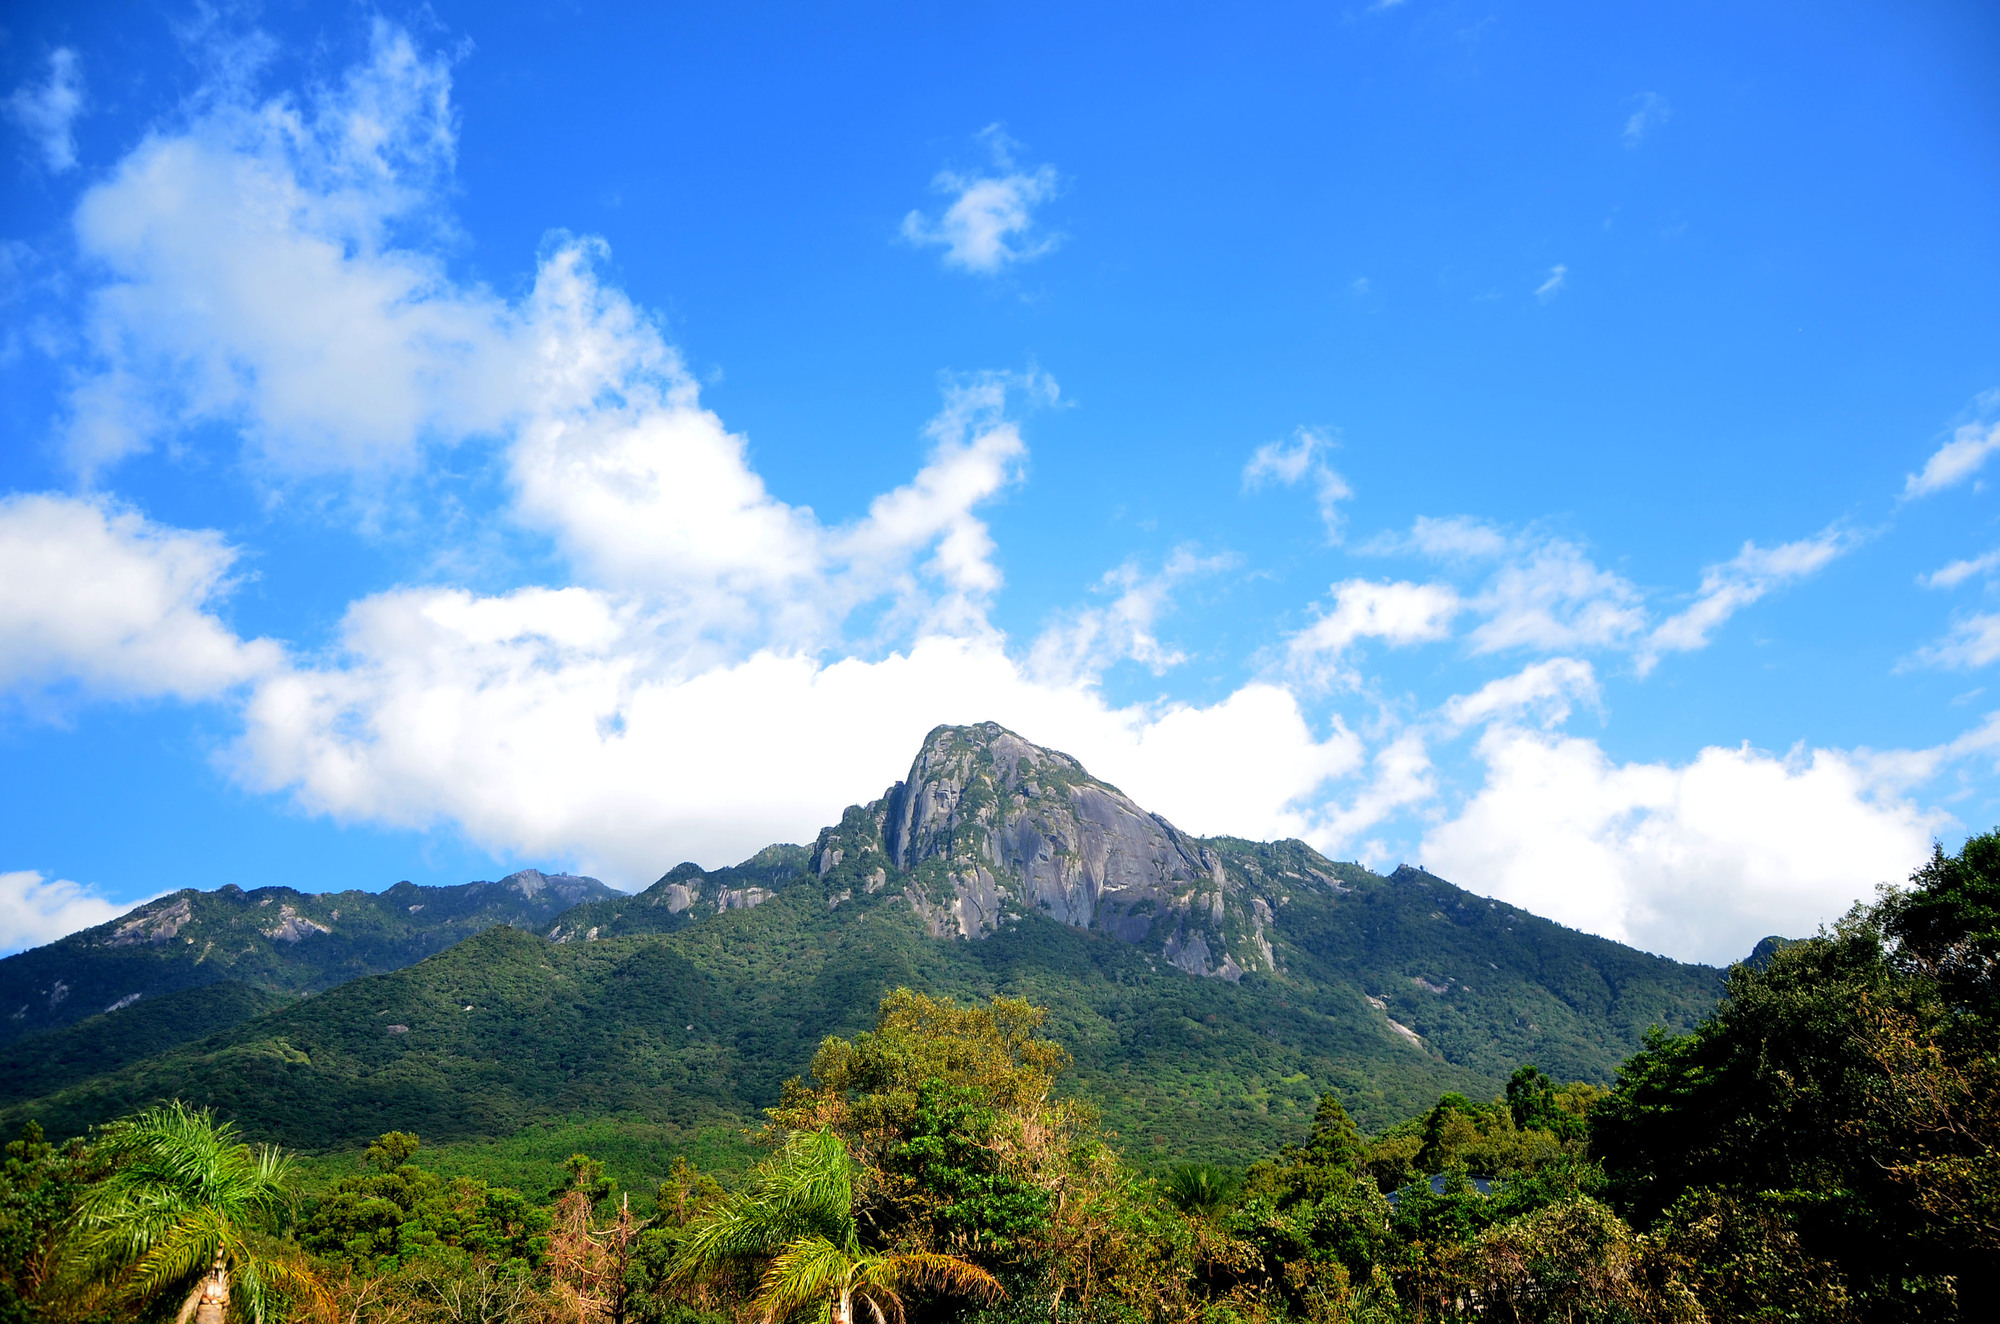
(1210, 988)
(273, 939)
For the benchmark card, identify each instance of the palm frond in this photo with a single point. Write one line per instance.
(942, 1273)
(809, 1270)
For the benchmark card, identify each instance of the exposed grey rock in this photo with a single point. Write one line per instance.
(987, 823)
(292, 926)
(159, 923)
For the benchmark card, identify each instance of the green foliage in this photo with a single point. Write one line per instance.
(1847, 1092)
(186, 1211)
(397, 1212)
(40, 1185)
(1199, 1188)
(694, 1031)
(272, 940)
(971, 1200)
(40, 1064)
(1947, 928)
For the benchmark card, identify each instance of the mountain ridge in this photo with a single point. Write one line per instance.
(1210, 987)
(189, 938)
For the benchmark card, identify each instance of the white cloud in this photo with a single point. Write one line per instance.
(255, 281)
(1400, 613)
(1550, 288)
(1287, 463)
(1955, 461)
(1403, 777)
(1698, 860)
(1548, 595)
(1733, 585)
(991, 218)
(546, 722)
(1650, 110)
(47, 111)
(1545, 691)
(649, 492)
(1974, 641)
(267, 257)
(1080, 644)
(35, 910)
(1958, 572)
(1454, 538)
(98, 596)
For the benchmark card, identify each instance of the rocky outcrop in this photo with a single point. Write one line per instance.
(567, 887)
(988, 827)
(155, 924)
(292, 926)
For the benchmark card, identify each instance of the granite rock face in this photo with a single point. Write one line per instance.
(989, 826)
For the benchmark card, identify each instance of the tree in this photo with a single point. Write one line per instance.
(186, 1219)
(1845, 1092)
(40, 1185)
(798, 1219)
(399, 1210)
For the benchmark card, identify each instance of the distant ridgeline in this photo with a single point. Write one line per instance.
(1210, 988)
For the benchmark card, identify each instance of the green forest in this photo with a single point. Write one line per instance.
(1819, 1147)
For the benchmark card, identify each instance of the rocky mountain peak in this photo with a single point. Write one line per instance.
(989, 825)
(568, 887)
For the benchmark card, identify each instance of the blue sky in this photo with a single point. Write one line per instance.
(1547, 443)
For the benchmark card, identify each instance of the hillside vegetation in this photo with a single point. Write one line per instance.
(1824, 1146)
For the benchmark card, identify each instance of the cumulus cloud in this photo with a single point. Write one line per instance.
(543, 722)
(256, 279)
(46, 111)
(1955, 461)
(1733, 585)
(649, 492)
(1301, 459)
(35, 910)
(1649, 111)
(990, 221)
(99, 597)
(1696, 860)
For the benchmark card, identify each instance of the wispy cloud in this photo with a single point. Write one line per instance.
(1959, 458)
(1082, 643)
(1650, 111)
(1958, 572)
(1543, 691)
(990, 221)
(1302, 458)
(1974, 641)
(47, 110)
(1550, 288)
(1733, 585)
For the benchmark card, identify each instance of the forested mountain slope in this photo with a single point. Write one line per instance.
(273, 938)
(1210, 988)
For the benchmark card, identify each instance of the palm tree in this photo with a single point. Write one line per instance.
(800, 1215)
(185, 1218)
